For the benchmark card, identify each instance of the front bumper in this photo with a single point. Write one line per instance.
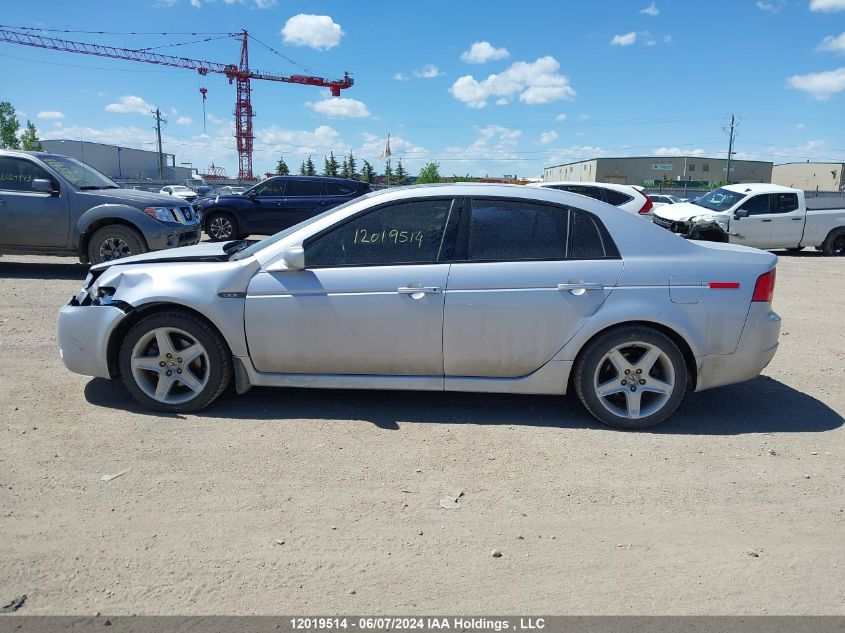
(173, 235)
(757, 346)
(84, 333)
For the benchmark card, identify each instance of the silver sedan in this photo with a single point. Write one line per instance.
(464, 287)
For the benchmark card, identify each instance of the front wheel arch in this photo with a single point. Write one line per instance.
(85, 236)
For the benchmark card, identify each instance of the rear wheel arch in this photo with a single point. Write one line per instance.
(832, 242)
(141, 312)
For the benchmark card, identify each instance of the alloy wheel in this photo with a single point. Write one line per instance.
(221, 228)
(114, 248)
(169, 365)
(634, 380)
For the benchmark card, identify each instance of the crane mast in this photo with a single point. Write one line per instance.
(240, 74)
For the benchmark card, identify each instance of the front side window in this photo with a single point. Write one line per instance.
(756, 205)
(17, 174)
(402, 233)
(269, 188)
(509, 230)
(302, 188)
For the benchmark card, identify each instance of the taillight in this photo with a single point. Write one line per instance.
(764, 289)
(647, 206)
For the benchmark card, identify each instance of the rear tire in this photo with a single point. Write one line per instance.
(221, 226)
(632, 377)
(115, 241)
(175, 361)
(834, 245)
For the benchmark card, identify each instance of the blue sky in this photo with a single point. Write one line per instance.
(482, 87)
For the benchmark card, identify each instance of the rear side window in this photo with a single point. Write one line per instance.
(617, 197)
(403, 233)
(509, 230)
(300, 188)
(590, 192)
(337, 189)
(589, 238)
(784, 202)
(17, 174)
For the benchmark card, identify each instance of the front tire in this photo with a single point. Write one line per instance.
(632, 377)
(115, 241)
(834, 245)
(221, 227)
(174, 361)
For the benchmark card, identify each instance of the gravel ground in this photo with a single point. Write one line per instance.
(286, 501)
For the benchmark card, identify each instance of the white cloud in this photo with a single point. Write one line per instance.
(548, 137)
(130, 104)
(827, 5)
(648, 39)
(534, 82)
(481, 52)
(583, 117)
(624, 40)
(50, 114)
(651, 10)
(315, 31)
(502, 101)
(214, 120)
(258, 4)
(400, 77)
(771, 7)
(821, 85)
(184, 120)
(677, 151)
(560, 117)
(833, 44)
(429, 71)
(667, 39)
(799, 125)
(341, 108)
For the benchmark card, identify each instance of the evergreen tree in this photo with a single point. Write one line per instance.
(429, 173)
(29, 139)
(302, 171)
(388, 173)
(282, 167)
(368, 174)
(9, 126)
(344, 170)
(310, 170)
(401, 175)
(351, 162)
(330, 168)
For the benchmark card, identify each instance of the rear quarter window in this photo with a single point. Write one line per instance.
(589, 238)
(337, 189)
(617, 197)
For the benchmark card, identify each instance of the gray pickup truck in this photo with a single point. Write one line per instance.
(56, 205)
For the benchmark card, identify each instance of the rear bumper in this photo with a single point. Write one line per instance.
(757, 346)
(84, 333)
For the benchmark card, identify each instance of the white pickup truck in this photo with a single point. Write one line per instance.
(760, 215)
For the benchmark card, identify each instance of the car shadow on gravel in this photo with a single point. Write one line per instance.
(27, 270)
(763, 405)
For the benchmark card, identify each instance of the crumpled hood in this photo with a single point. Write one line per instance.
(684, 211)
(206, 251)
(140, 199)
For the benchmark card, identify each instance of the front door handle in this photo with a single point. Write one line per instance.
(767, 220)
(797, 219)
(419, 291)
(581, 286)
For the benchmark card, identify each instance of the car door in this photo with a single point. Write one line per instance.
(267, 211)
(526, 277)
(756, 228)
(303, 199)
(28, 217)
(787, 220)
(369, 300)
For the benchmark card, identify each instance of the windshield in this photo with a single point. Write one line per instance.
(719, 200)
(182, 189)
(254, 248)
(79, 174)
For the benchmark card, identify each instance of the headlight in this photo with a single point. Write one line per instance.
(163, 214)
(101, 296)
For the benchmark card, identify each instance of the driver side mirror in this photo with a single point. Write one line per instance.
(42, 185)
(740, 213)
(294, 257)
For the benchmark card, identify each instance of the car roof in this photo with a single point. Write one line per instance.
(321, 178)
(603, 185)
(759, 187)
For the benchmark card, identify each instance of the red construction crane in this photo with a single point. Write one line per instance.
(240, 74)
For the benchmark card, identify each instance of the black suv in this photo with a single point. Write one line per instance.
(274, 204)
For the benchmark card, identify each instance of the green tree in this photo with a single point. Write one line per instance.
(429, 173)
(330, 167)
(401, 176)
(368, 174)
(388, 172)
(344, 170)
(302, 169)
(310, 170)
(282, 167)
(29, 139)
(9, 126)
(352, 166)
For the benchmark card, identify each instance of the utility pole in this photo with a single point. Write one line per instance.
(159, 120)
(730, 131)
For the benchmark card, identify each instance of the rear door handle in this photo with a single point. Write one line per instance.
(581, 286)
(768, 220)
(797, 219)
(420, 290)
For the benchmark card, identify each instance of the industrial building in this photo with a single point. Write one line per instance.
(123, 163)
(651, 171)
(810, 176)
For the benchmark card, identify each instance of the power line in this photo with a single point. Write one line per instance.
(34, 28)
